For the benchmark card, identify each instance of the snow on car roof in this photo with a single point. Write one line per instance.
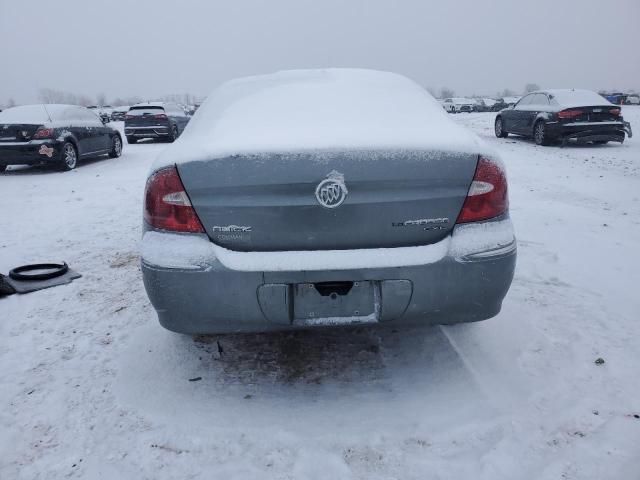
(577, 98)
(37, 114)
(329, 109)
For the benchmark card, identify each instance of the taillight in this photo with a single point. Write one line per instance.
(43, 133)
(167, 205)
(160, 116)
(487, 197)
(569, 114)
(614, 111)
(129, 117)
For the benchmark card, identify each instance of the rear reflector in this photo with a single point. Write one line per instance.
(43, 133)
(167, 205)
(487, 197)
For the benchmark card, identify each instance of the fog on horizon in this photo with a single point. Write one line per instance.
(150, 49)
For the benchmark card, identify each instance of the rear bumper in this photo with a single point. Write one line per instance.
(30, 153)
(198, 294)
(584, 132)
(147, 132)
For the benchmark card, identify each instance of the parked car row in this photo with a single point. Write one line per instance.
(620, 98)
(468, 105)
(117, 114)
(61, 135)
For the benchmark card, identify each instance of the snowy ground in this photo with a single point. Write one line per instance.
(92, 387)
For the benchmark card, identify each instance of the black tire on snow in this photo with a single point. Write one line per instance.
(132, 140)
(500, 132)
(116, 150)
(174, 134)
(69, 162)
(540, 135)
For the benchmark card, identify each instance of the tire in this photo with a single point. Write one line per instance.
(132, 140)
(498, 128)
(3, 168)
(69, 156)
(540, 135)
(116, 147)
(174, 134)
(601, 142)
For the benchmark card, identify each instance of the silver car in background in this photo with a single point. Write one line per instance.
(325, 197)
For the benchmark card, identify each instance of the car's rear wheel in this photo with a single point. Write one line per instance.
(499, 128)
(132, 140)
(600, 142)
(3, 168)
(174, 134)
(116, 147)
(69, 156)
(540, 135)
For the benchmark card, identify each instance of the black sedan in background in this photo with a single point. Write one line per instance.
(57, 135)
(158, 120)
(560, 115)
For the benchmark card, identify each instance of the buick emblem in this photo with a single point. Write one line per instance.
(332, 191)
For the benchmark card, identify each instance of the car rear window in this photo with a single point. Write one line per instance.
(577, 98)
(25, 114)
(145, 110)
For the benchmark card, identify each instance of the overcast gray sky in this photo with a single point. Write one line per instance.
(155, 47)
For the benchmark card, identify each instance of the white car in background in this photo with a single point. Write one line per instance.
(633, 99)
(458, 105)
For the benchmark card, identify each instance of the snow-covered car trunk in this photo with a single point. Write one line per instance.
(271, 201)
(20, 132)
(324, 160)
(146, 117)
(21, 123)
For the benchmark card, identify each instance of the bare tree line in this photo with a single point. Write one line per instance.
(51, 95)
(446, 92)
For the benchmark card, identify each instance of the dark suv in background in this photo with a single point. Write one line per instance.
(158, 120)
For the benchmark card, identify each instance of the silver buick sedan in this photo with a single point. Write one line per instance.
(325, 197)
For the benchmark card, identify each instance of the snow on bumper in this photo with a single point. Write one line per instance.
(469, 242)
(197, 287)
